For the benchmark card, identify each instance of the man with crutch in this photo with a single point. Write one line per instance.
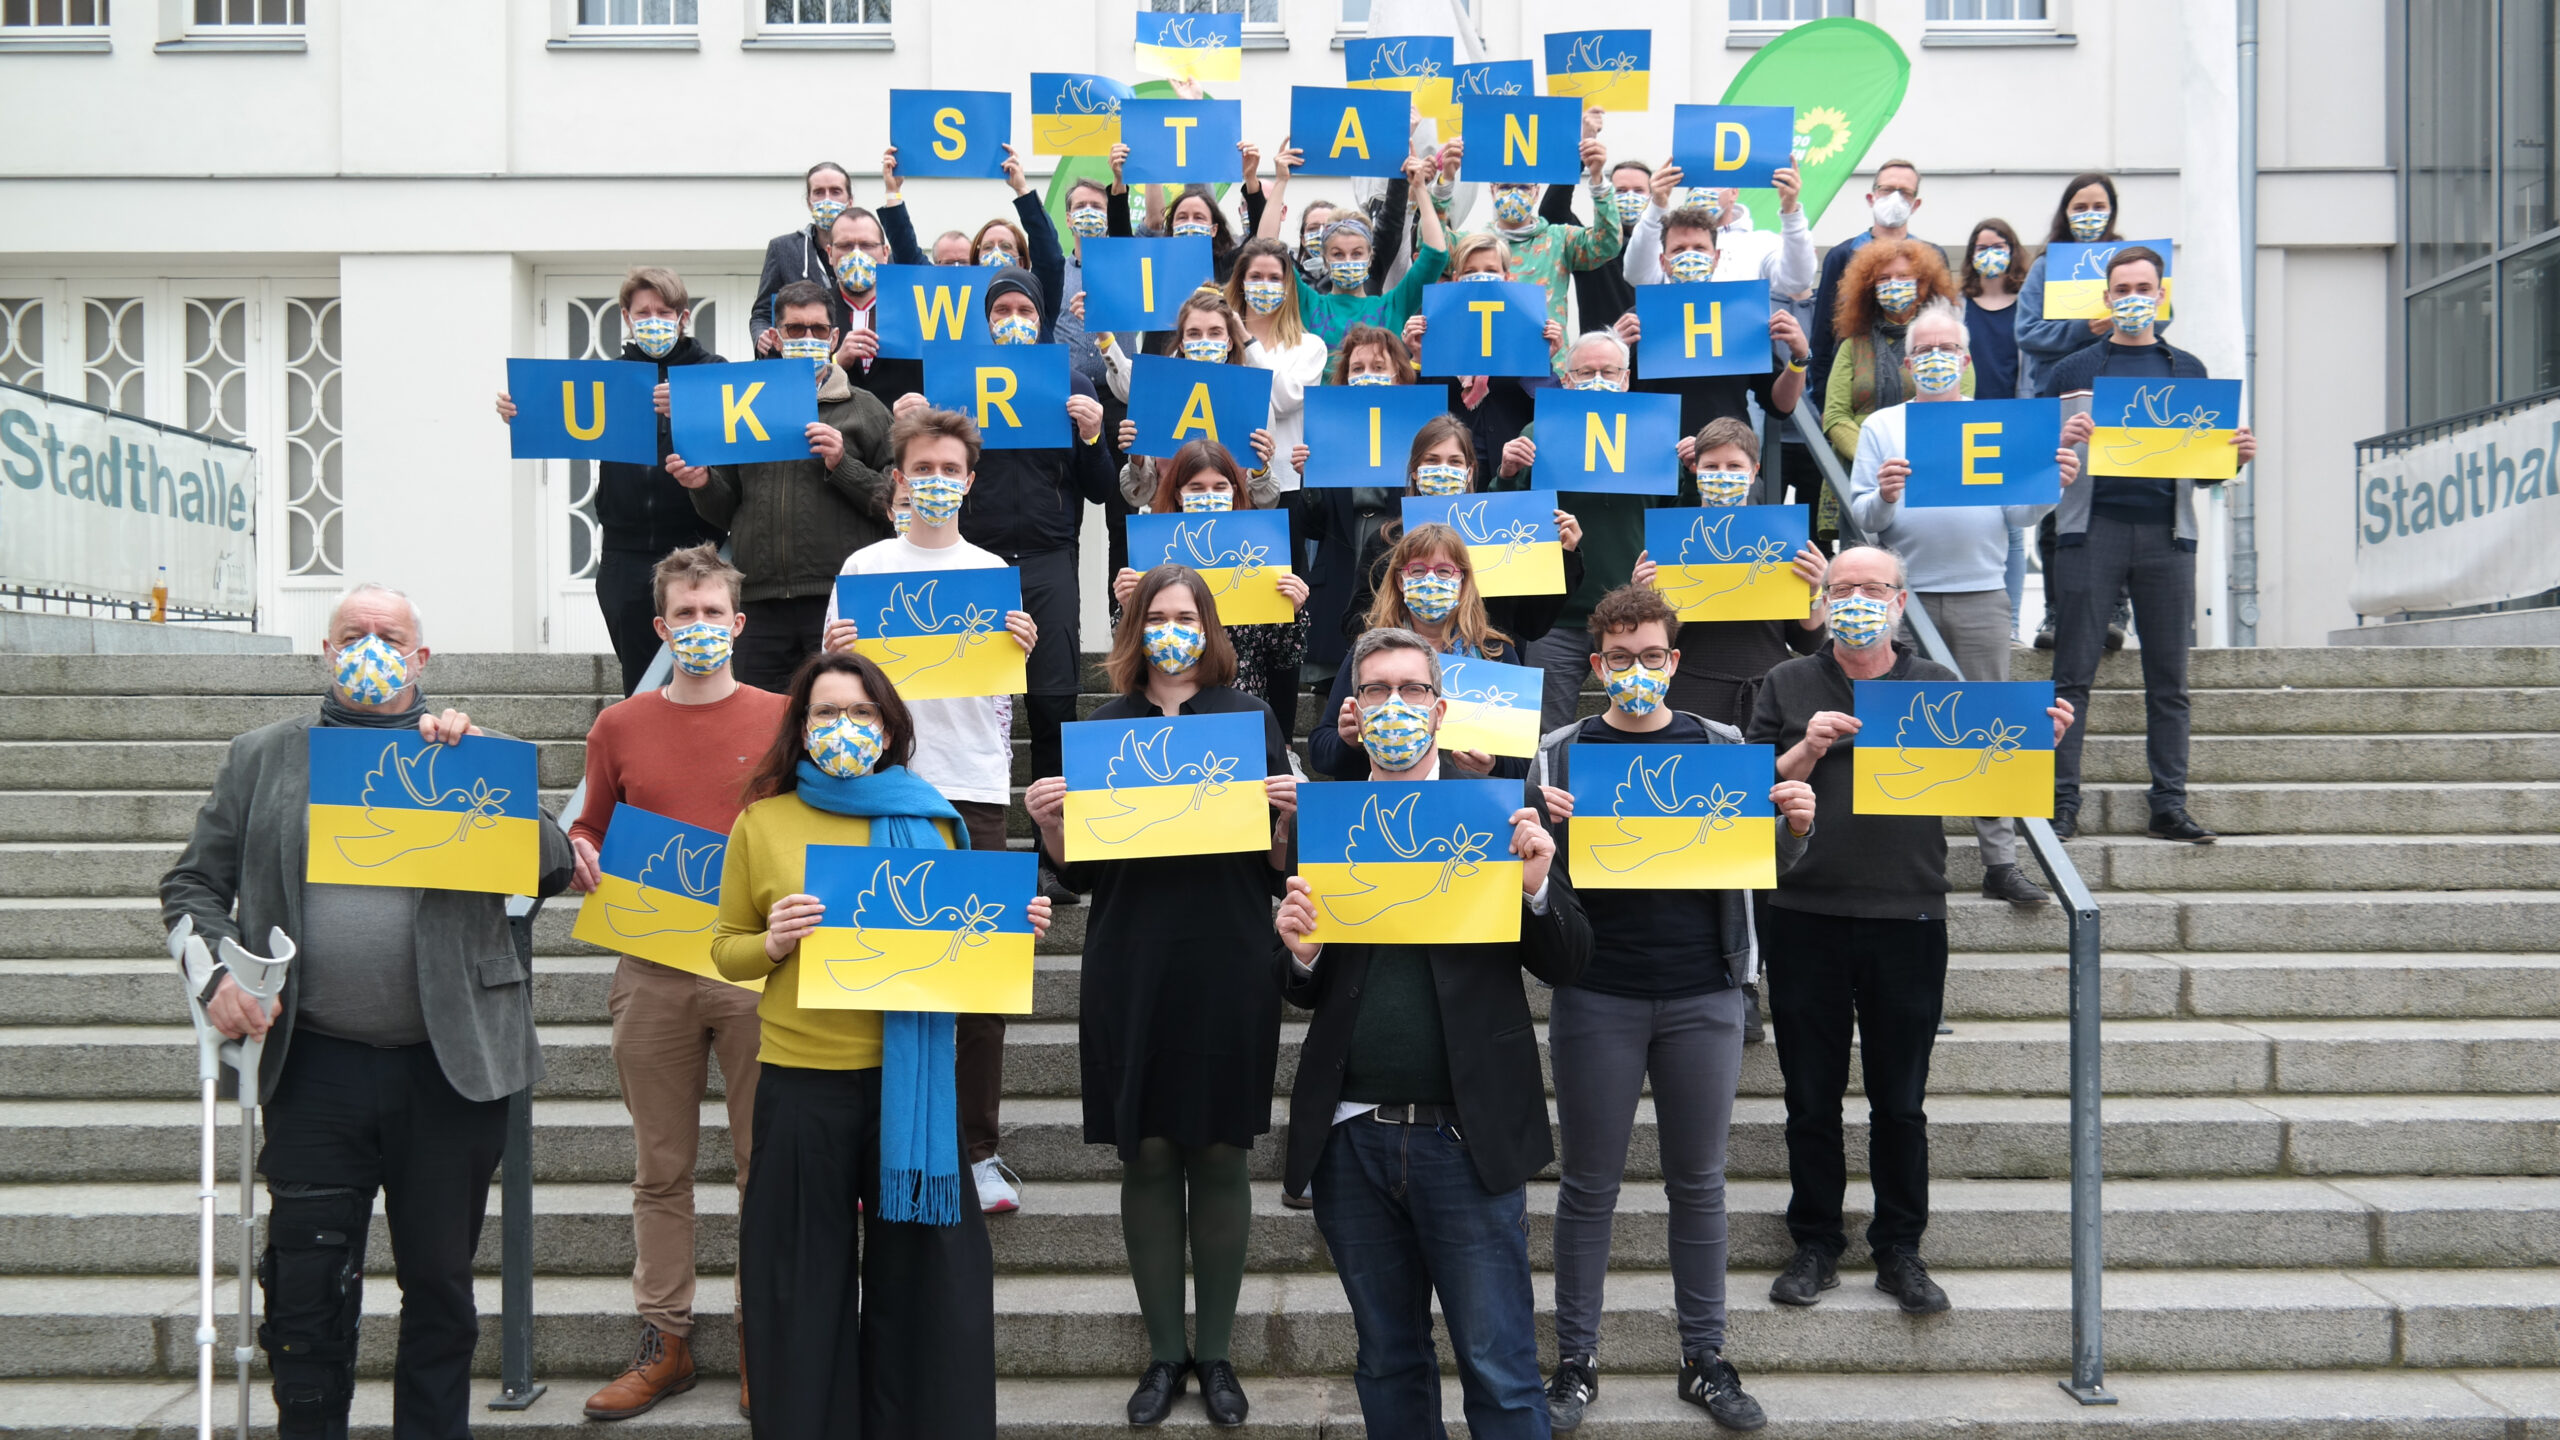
(403, 1024)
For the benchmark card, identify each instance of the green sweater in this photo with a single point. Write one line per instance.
(1331, 315)
(1398, 1054)
(1548, 254)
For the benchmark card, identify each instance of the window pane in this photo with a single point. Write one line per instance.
(2450, 200)
(2449, 349)
(22, 342)
(30, 13)
(2527, 55)
(1354, 13)
(2529, 323)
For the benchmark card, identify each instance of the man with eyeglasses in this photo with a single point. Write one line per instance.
(1957, 554)
(792, 522)
(801, 255)
(1856, 936)
(1891, 198)
(1419, 1112)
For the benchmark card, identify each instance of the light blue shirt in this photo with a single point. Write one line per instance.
(1949, 550)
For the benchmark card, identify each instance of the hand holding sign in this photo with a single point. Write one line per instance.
(1172, 402)
(1182, 142)
(1522, 139)
(1349, 132)
(1706, 327)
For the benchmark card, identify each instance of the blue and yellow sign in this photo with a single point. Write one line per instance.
(938, 633)
(1075, 114)
(584, 410)
(1735, 563)
(1954, 747)
(2075, 276)
(1983, 452)
(1136, 282)
(1182, 142)
(1732, 146)
(951, 134)
(1611, 442)
(1411, 863)
(1496, 78)
(1612, 69)
(2180, 429)
(742, 412)
(387, 808)
(937, 930)
(1511, 537)
(1673, 817)
(1522, 140)
(1166, 785)
(657, 892)
(1241, 554)
(1493, 707)
(1174, 402)
(1418, 65)
(1703, 327)
(1485, 327)
(1193, 47)
(1348, 132)
(1363, 434)
(1016, 393)
(924, 305)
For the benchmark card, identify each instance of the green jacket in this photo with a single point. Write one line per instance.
(791, 523)
(1549, 254)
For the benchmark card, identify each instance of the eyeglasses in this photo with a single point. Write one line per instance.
(806, 332)
(1904, 191)
(1431, 572)
(1621, 661)
(1955, 350)
(1412, 692)
(1581, 373)
(1873, 590)
(830, 714)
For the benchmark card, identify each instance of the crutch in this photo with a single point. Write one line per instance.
(262, 978)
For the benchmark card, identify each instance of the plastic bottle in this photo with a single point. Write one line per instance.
(160, 597)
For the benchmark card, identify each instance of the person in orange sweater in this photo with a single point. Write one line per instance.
(685, 752)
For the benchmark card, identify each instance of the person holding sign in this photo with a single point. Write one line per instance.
(1958, 554)
(1690, 240)
(964, 745)
(1262, 292)
(1497, 407)
(2087, 214)
(1419, 1111)
(1542, 252)
(856, 1150)
(858, 246)
(1857, 936)
(801, 254)
(1783, 257)
(1202, 478)
(1030, 239)
(1442, 461)
(1342, 519)
(1662, 1000)
(684, 752)
(2130, 533)
(1350, 251)
(1180, 1025)
(405, 1022)
(1883, 288)
(1205, 329)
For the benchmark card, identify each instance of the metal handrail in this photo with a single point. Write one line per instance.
(2080, 908)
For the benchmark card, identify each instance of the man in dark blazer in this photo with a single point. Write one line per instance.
(1420, 1111)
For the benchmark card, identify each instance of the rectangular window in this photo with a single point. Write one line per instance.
(660, 13)
(209, 13)
(22, 341)
(2452, 217)
(1779, 14)
(1355, 14)
(2529, 323)
(1258, 14)
(2525, 160)
(815, 13)
(53, 14)
(1988, 12)
(2449, 354)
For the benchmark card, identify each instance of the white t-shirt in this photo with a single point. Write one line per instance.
(964, 748)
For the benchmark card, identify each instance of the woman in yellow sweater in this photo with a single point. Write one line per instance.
(857, 1134)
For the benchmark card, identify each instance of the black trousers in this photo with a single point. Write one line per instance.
(1888, 978)
(2114, 556)
(1049, 593)
(346, 1120)
(779, 635)
(625, 594)
(855, 1327)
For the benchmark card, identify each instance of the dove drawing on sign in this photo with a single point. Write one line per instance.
(1081, 117)
(1712, 544)
(1509, 540)
(1149, 790)
(1198, 548)
(1387, 62)
(1479, 80)
(1947, 752)
(1660, 784)
(2152, 426)
(1389, 867)
(902, 897)
(1587, 55)
(1178, 35)
(476, 807)
(914, 614)
(692, 872)
(1471, 704)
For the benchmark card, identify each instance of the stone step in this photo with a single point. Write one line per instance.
(1074, 1226)
(454, 673)
(143, 1326)
(2337, 808)
(2403, 1404)
(190, 765)
(2317, 666)
(1971, 1136)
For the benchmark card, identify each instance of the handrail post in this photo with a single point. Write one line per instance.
(517, 1388)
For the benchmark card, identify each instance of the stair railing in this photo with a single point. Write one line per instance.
(2080, 909)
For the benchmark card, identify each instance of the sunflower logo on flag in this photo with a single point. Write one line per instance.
(1821, 132)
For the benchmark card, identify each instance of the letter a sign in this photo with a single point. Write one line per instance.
(1349, 132)
(742, 413)
(583, 410)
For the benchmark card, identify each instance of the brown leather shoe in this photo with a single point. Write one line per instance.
(663, 1367)
(743, 1412)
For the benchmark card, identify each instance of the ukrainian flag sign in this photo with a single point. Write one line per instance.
(938, 633)
(1411, 863)
(1511, 537)
(1166, 785)
(388, 808)
(940, 930)
(1195, 47)
(1241, 553)
(1494, 77)
(1493, 707)
(2180, 429)
(2075, 277)
(1735, 563)
(1075, 114)
(1954, 747)
(657, 891)
(1420, 65)
(1612, 69)
(1673, 817)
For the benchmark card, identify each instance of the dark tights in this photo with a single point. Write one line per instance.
(1167, 1193)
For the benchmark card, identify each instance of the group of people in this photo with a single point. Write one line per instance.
(866, 1142)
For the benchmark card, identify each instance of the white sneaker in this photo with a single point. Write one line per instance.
(996, 1195)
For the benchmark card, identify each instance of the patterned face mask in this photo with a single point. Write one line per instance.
(701, 648)
(1694, 265)
(997, 259)
(1712, 202)
(857, 272)
(1372, 377)
(1174, 648)
(1440, 479)
(1937, 371)
(1720, 488)
(1207, 502)
(1211, 348)
(1861, 621)
(936, 497)
(1897, 296)
(901, 520)
(1396, 733)
(2133, 312)
(1480, 276)
(825, 213)
(1631, 205)
(1263, 296)
(370, 671)
(1188, 228)
(1514, 208)
(655, 335)
(1013, 330)
(1991, 261)
(813, 349)
(2088, 225)
(1430, 595)
(1637, 690)
(1600, 382)
(1348, 274)
(845, 747)
(1088, 220)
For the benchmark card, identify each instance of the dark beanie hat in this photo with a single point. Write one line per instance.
(1013, 278)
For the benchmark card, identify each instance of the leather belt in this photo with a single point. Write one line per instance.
(1435, 1116)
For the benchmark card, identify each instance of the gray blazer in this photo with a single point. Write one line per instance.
(250, 851)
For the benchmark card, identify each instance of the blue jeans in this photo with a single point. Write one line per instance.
(1403, 1213)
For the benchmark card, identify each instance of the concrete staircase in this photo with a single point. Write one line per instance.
(2332, 1061)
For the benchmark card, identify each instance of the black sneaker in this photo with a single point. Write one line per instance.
(1220, 1392)
(1575, 1382)
(1903, 1275)
(1754, 1028)
(1163, 1384)
(2178, 825)
(1298, 1200)
(2044, 636)
(2066, 821)
(2115, 638)
(1811, 1271)
(1055, 888)
(1709, 1382)
(2008, 882)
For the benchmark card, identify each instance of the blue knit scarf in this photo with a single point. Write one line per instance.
(919, 1094)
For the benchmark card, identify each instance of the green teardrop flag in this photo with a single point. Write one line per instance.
(1072, 168)
(1845, 79)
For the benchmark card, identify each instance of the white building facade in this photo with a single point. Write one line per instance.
(321, 226)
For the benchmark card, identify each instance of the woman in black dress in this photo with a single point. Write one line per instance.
(1180, 1023)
